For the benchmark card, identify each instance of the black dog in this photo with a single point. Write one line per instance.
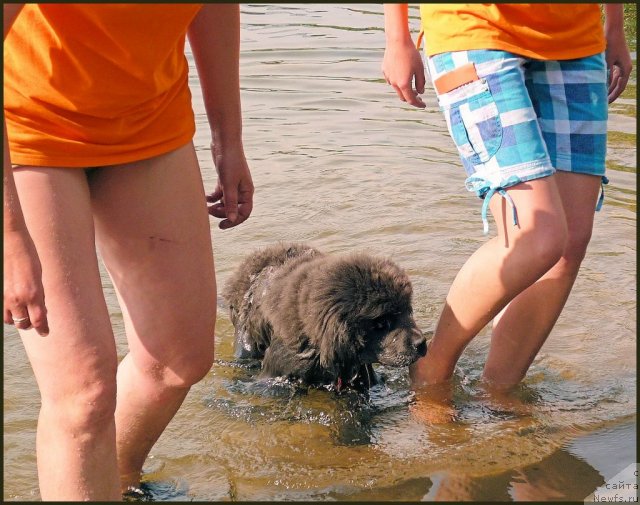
(322, 319)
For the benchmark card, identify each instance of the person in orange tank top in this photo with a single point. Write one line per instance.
(98, 152)
(524, 91)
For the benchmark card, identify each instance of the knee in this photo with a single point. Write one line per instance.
(185, 367)
(86, 412)
(576, 246)
(191, 370)
(573, 254)
(547, 245)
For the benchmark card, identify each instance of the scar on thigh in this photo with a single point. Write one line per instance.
(160, 239)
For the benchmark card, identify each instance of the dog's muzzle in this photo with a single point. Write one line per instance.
(403, 347)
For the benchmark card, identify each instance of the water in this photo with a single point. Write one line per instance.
(339, 162)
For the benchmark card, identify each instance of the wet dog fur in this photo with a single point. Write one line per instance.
(322, 319)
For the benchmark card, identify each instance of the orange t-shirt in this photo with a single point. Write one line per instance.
(540, 31)
(97, 84)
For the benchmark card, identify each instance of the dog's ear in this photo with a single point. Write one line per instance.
(341, 293)
(336, 345)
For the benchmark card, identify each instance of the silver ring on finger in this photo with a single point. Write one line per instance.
(18, 320)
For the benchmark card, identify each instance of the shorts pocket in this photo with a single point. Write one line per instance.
(473, 121)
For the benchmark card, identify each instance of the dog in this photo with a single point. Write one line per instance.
(322, 319)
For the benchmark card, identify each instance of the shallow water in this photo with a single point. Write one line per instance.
(339, 162)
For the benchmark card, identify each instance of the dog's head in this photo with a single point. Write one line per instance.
(359, 312)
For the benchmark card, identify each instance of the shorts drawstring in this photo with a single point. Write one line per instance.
(601, 198)
(485, 206)
(419, 39)
(482, 186)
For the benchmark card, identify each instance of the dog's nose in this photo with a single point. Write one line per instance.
(420, 343)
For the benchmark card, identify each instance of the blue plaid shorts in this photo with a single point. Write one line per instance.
(523, 119)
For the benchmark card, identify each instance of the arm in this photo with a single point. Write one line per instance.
(402, 63)
(617, 53)
(23, 291)
(214, 36)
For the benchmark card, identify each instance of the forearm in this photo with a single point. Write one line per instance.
(214, 36)
(614, 19)
(396, 23)
(13, 219)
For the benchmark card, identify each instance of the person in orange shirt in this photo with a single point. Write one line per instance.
(524, 92)
(98, 151)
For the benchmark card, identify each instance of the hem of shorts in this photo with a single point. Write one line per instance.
(83, 162)
(544, 167)
(582, 171)
(541, 170)
(537, 175)
(590, 170)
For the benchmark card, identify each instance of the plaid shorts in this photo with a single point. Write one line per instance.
(522, 119)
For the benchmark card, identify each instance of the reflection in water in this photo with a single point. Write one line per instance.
(557, 477)
(338, 161)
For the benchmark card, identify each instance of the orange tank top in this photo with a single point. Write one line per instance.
(97, 84)
(540, 31)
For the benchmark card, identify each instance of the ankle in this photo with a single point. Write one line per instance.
(501, 380)
(130, 483)
(428, 372)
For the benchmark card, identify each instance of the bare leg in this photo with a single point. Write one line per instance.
(75, 366)
(497, 272)
(153, 232)
(433, 404)
(521, 329)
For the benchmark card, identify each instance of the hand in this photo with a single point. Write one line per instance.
(232, 200)
(618, 62)
(23, 291)
(401, 66)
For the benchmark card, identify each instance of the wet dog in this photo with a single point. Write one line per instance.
(322, 319)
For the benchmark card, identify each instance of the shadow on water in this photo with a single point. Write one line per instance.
(349, 415)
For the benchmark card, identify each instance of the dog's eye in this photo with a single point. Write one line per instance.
(382, 323)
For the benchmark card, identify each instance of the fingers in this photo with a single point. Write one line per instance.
(242, 214)
(215, 196)
(233, 210)
(232, 200)
(217, 210)
(244, 210)
(21, 320)
(32, 316)
(407, 93)
(421, 81)
(618, 79)
(24, 295)
(231, 206)
(226, 208)
(401, 70)
(411, 96)
(38, 319)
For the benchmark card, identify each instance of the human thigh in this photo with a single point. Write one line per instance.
(57, 210)
(153, 233)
